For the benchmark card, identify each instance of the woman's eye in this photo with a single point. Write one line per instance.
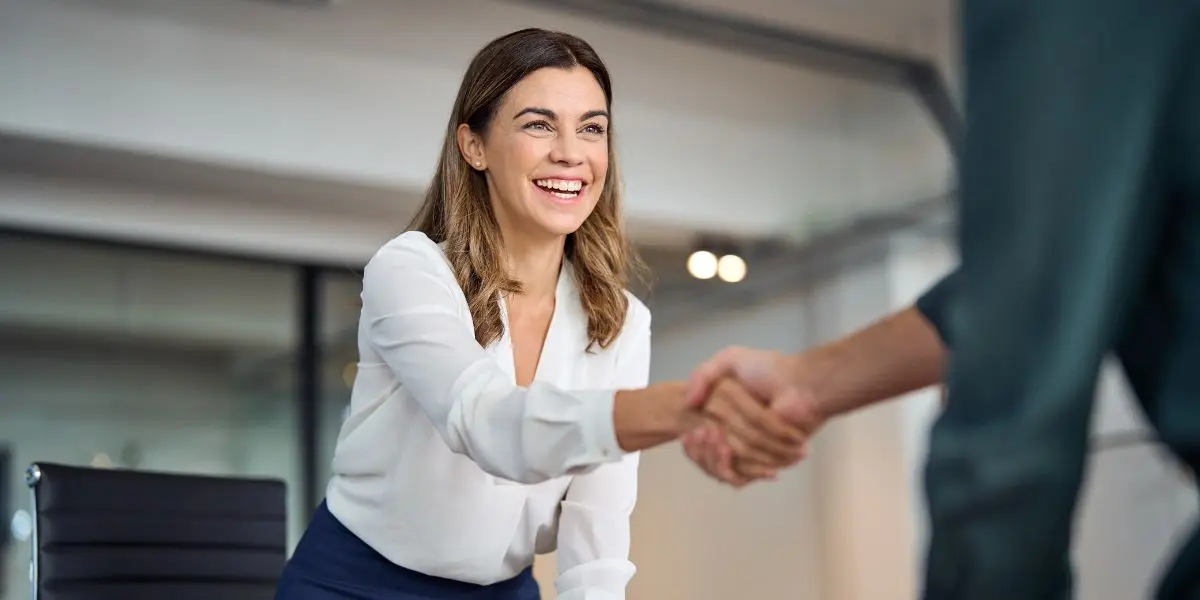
(538, 125)
(594, 129)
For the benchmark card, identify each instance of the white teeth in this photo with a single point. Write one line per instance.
(561, 185)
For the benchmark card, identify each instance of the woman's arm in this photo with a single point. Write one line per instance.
(593, 531)
(412, 319)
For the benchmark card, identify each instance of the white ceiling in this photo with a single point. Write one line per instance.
(903, 25)
(895, 24)
(865, 148)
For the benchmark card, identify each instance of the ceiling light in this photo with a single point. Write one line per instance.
(702, 264)
(731, 268)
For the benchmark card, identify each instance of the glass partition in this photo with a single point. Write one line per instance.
(338, 298)
(120, 357)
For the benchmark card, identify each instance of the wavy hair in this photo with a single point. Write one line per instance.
(457, 210)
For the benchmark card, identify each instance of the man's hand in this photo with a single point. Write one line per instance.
(754, 433)
(721, 451)
(892, 356)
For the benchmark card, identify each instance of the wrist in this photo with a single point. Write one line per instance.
(814, 372)
(651, 416)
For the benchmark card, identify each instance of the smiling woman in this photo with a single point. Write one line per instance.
(502, 391)
(531, 143)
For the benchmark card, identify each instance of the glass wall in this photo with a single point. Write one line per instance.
(339, 302)
(113, 356)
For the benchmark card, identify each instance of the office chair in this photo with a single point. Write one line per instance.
(103, 534)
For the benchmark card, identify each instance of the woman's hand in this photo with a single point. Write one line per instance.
(709, 447)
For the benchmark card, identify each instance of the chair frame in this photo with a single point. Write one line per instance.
(33, 476)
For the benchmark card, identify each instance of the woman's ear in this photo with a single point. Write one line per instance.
(470, 145)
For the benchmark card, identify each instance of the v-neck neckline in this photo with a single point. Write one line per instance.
(548, 358)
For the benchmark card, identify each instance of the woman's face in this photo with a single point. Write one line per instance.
(545, 152)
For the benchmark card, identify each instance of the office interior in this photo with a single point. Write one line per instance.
(189, 191)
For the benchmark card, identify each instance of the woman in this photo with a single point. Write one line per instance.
(464, 453)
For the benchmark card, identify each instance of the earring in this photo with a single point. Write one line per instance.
(478, 164)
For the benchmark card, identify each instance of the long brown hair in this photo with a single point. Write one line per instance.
(457, 209)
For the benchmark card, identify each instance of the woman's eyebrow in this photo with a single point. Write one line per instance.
(545, 112)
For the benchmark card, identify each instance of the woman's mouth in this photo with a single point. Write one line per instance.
(562, 190)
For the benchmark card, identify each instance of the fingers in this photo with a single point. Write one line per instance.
(698, 451)
(706, 376)
(707, 448)
(754, 471)
(755, 431)
(757, 470)
(698, 447)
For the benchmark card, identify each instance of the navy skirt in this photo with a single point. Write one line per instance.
(331, 563)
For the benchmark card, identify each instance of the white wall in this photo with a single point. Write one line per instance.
(696, 540)
(866, 510)
(1135, 504)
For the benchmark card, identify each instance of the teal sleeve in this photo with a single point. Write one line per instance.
(934, 305)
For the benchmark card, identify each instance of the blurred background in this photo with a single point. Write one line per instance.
(189, 189)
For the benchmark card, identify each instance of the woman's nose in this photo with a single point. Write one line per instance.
(567, 150)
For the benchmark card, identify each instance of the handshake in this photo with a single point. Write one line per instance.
(743, 415)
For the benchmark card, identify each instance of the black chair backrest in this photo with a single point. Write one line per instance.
(104, 534)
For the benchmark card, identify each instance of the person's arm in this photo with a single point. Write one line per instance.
(900, 353)
(593, 530)
(893, 356)
(413, 320)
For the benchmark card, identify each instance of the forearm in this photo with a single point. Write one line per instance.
(893, 356)
(651, 416)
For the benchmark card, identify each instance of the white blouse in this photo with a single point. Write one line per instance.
(446, 467)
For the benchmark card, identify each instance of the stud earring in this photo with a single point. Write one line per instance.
(478, 164)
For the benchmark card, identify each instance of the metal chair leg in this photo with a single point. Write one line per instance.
(32, 476)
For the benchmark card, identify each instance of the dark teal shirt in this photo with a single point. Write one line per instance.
(1080, 235)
